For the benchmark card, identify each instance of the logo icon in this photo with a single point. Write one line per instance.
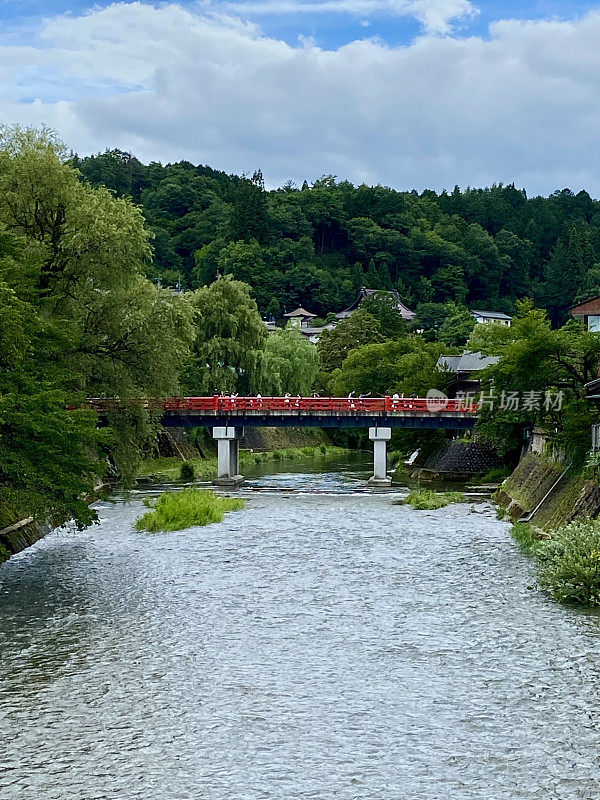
(436, 400)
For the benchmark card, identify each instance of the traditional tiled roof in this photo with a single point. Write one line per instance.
(300, 312)
(404, 311)
(467, 362)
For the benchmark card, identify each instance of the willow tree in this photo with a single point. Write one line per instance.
(48, 453)
(230, 340)
(82, 263)
(79, 318)
(291, 363)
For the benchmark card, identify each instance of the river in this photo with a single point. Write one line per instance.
(322, 643)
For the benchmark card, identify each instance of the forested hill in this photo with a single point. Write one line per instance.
(317, 245)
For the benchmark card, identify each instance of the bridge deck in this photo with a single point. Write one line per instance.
(322, 412)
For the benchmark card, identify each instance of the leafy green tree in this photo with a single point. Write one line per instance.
(358, 329)
(406, 366)
(273, 309)
(242, 260)
(566, 271)
(457, 327)
(590, 286)
(79, 318)
(290, 363)
(230, 339)
(383, 307)
(249, 217)
(48, 454)
(448, 284)
(537, 359)
(86, 252)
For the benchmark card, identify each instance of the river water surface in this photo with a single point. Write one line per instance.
(322, 643)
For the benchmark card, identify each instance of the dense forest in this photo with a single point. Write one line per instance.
(317, 245)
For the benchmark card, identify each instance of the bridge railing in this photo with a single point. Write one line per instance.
(325, 405)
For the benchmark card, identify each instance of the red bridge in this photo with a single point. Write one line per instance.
(228, 415)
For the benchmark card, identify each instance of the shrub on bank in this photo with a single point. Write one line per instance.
(428, 500)
(173, 511)
(569, 563)
(187, 473)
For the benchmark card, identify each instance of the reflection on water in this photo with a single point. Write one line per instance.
(314, 645)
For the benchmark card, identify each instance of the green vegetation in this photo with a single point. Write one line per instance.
(316, 245)
(535, 360)
(526, 537)
(428, 500)
(230, 340)
(77, 317)
(173, 511)
(567, 562)
(290, 364)
(169, 469)
(86, 244)
(186, 471)
(496, 475)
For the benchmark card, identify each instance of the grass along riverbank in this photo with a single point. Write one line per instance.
(174, 511)
(567, 560)
(170, 469)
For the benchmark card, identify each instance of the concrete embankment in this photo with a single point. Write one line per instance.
(27, 531)
(22, 534)
(548, 493)
(456, 461)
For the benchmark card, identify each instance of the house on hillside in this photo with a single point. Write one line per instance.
(301, 319)
(492, 318)
(463, 371)
(403, 310)
(589, 313)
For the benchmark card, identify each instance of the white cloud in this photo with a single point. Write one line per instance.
(436, 15)
(169, 84)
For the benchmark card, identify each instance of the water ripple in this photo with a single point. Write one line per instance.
(329, 645)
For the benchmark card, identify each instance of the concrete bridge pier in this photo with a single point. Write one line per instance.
(380, 437)
(228, 456)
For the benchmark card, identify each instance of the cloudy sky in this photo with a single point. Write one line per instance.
(407, 93)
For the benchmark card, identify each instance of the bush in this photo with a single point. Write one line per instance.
(428, 500)
(187, 472)
(569, 563)
(496, 475)
(173, 511)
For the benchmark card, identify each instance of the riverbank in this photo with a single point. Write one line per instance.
(161, 469)
(554, 509)
(549, 493)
